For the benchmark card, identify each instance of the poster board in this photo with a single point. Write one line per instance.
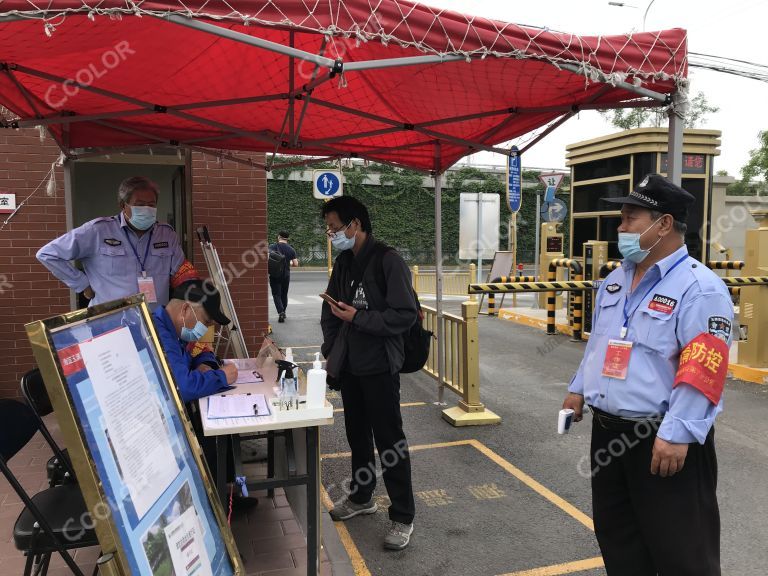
(503, 265)
(137, 461)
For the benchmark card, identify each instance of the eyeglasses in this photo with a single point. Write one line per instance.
(331, 233)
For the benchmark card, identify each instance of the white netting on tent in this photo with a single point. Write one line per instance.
(628, 57)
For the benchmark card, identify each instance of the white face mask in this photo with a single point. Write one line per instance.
(629, 244)
(340, 240)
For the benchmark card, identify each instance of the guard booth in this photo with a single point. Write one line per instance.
(611, 166)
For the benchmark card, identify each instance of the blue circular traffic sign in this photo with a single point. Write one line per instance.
(327, 183)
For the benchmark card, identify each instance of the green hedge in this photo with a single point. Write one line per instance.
(402, 211)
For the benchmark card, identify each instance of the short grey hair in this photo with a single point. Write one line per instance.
(679, 227)
(130, 185)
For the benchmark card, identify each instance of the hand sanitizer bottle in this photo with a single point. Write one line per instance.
(316, 384)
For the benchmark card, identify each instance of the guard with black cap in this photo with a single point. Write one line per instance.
(653, 375)
(193, 307)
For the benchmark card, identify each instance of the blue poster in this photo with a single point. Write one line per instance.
(153, 488)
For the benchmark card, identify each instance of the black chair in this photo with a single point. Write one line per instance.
(53, 520)
(59, 466)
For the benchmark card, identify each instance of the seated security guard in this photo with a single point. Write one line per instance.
(194, 306)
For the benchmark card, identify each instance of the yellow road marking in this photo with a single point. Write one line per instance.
(537, 487)
(358, 563)
(402, 405)
(558, 569)
(540, 489)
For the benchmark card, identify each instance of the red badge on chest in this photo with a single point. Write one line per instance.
(663, 304)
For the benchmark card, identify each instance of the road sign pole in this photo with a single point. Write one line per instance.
(536, 248)
(479, 236)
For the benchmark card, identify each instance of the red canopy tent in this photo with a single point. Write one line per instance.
(392, 80)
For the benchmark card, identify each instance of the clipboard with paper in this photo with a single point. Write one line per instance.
(237, 406)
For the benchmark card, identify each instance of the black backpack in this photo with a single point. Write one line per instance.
(276, 263)
(417, 340)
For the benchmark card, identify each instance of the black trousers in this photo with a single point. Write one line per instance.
(372, 414)
(279, 288)
(647, 525)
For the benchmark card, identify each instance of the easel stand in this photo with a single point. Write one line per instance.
(234, 338)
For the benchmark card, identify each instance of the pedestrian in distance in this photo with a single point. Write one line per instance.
(374, 305)
(121, 255)
(653, 375)
(280, 281)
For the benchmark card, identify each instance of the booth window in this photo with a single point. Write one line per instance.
(604, 168)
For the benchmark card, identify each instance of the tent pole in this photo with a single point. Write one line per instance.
(617, 83)
(396, 62)
(677, 113)
(439, 277)
(248, 39)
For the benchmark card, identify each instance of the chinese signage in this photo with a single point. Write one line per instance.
(7, 203)
(692, 163)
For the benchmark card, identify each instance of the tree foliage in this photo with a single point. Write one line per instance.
(757, 166)
(627, 119)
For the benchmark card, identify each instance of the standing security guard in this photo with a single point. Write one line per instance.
(653, 374)
(121, 255)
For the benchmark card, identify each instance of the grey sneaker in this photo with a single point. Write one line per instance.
(349, 509)
(399, 536)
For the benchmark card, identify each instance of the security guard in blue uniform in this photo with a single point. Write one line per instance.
(121, 255)
(195, 306)
(653, 374)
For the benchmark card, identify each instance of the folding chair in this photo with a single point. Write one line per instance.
(59, 466)
(53, 520)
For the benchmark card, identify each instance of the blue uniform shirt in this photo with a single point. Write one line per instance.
(111, 267)
(688, 300)
(192, 383)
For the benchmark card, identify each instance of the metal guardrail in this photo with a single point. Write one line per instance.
(462, 363)
(454, 282)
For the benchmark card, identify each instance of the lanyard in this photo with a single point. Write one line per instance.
(146, 251)
(627, 317)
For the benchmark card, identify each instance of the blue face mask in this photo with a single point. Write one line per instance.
(340, 240)
(143, 217)
(629, 245)
(193, 334)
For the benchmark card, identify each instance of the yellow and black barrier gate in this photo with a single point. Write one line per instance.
(609, 267)
(579, 286)
(725, 264)
(505, 279)
(574, 302)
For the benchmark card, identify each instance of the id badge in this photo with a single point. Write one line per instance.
(617, 356)
(147, 287)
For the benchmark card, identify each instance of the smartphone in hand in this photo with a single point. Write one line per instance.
(329, 299)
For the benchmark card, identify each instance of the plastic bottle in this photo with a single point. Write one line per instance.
(316, 384)
(289, 395)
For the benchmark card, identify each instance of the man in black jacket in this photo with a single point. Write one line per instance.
(363, 342)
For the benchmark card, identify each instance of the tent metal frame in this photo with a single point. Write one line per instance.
(333, 147)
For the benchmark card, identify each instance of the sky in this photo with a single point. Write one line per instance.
(732, 29)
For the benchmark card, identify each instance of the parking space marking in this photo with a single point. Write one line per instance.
(355, 558)
(559, 569)
(402, 405)
(537, 487)
(361, 568)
